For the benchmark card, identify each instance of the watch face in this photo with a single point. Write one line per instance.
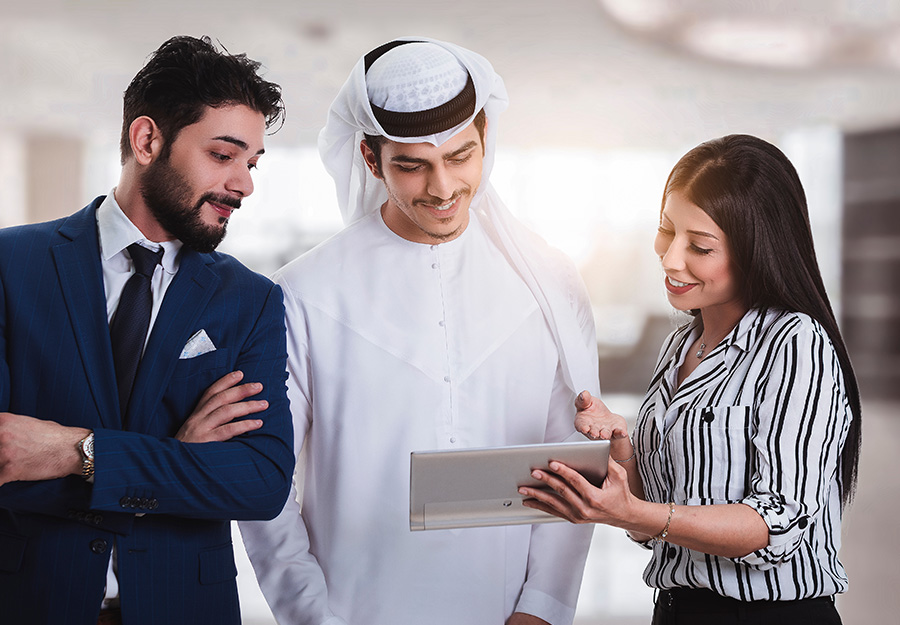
(88, 446)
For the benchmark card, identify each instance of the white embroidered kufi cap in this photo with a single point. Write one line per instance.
(415, 77)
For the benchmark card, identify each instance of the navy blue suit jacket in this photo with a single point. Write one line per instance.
(166, 505)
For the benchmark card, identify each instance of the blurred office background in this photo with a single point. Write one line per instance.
(605, 96)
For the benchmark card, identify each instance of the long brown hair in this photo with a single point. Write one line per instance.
(753, 193)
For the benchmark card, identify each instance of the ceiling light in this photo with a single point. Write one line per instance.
(757, 42)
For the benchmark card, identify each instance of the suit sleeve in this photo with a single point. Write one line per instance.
(55, 497)
(4, 366)
(289, 575)
(246, 477)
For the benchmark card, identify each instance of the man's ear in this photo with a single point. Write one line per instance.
(369, 157)
(146, 140)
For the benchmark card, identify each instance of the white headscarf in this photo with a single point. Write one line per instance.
(549, 275)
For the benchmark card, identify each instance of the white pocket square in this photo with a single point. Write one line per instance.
(197, 345)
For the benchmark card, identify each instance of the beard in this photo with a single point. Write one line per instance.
(168, 196)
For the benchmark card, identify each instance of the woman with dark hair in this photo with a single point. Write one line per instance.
(746, 446)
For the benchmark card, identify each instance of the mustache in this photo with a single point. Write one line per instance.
(218, 198)
(436, 201)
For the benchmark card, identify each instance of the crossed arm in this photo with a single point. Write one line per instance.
(36, 449)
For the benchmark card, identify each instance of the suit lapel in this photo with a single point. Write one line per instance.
(77, 259)
(185, 299)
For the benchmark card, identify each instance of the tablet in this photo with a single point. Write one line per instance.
(479, 487)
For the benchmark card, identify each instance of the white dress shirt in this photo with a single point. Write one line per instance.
(761, 421)
(395, 346)
(116, 233)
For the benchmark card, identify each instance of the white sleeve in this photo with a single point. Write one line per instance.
(290, 577)
(558, 551)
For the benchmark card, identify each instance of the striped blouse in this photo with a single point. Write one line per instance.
(761, 421)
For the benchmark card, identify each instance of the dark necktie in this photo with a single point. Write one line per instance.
(128, 328)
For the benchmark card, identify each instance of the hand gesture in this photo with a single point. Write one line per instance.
(594, 419)
(217, 415)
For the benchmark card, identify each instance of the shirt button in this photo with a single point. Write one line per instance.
(441, 323)
(452, 439)
(446, 378)
(434, 265)
(98, 546)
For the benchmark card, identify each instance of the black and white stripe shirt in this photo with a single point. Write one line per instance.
(761, 421)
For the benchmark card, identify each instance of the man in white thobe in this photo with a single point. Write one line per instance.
(434, 320)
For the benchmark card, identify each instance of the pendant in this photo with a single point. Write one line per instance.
(700, 351)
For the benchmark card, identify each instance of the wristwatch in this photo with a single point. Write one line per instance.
(86, 447)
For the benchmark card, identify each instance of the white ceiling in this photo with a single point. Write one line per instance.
(576, 76)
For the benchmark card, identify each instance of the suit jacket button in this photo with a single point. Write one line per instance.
(98, 546)
(144, 502)
(153, 505)
(125, 501)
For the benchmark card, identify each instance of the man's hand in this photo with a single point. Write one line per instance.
(34, 449)
(520, 618)
(214, 418)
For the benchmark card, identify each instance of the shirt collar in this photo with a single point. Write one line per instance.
(117, 232)
(742, 335)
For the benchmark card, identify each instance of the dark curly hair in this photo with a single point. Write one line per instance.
(183, 77)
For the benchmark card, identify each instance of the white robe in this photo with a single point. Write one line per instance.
(393, 347)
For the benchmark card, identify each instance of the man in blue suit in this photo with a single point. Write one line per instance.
(116, 493)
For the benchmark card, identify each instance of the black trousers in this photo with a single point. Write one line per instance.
(682, 606)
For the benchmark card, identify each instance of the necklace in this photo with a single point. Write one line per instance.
(699, 353)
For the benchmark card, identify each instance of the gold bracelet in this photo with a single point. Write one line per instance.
(662, 535)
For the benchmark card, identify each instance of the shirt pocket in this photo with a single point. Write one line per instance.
(715, 451)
